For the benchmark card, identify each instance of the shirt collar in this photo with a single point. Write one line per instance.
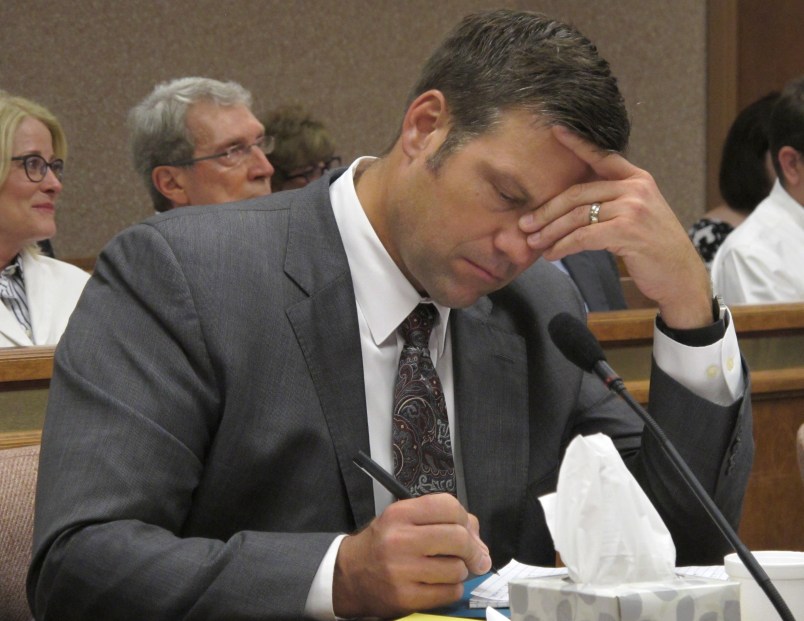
(13, 268)
(382, 292)
(789, 204)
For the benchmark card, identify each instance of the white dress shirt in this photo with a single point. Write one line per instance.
(385, 297)
(760, 261)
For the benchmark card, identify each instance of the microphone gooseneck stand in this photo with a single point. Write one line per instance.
(580, 347)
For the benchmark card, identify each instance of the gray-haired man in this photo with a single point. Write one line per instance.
(195, 141)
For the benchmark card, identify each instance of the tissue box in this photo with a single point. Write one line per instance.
(688, 598)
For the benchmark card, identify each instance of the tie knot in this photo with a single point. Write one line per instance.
(417, 326)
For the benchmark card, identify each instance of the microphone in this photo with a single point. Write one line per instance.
(580, 347)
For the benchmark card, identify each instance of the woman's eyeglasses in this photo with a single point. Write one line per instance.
(312, 173)
(36, 167)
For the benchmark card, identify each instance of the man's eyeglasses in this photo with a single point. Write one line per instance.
(314, 172)
(232, 156)
(36, 167)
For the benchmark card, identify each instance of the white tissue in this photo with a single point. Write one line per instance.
(603, 525)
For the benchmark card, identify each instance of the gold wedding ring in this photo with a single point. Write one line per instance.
(594, 213)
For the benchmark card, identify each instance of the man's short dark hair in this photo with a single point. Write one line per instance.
(787, 122)
(501, 60)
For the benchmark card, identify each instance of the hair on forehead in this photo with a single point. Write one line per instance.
(494, 61)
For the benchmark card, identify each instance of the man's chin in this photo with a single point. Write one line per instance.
(458, 298)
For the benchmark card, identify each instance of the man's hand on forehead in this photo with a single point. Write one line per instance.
(622, 210)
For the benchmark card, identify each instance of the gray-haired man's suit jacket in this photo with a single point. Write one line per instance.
(208, 398)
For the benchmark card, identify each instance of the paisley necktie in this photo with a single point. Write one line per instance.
(422, 446)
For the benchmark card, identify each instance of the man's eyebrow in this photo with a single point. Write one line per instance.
(505, 180)
(238, 141)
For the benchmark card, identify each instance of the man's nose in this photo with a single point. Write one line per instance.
(512, 242)
(261, 167)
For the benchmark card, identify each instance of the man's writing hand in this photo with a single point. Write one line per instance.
(414, 556)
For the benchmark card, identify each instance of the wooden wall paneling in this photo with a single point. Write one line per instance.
(773, 512)
(753, 47)
(25, 374)
(721, 84)
(770, 49)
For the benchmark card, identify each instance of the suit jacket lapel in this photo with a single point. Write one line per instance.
(491, 402)
(325, 324)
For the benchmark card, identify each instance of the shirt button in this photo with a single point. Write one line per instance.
(712, 371)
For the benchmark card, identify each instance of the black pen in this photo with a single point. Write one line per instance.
(382, 476)
(387, 480)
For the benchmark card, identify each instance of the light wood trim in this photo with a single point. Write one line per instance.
(14, 439)
(635, 326)
(768, 382)
(18, 364)
(763, 384)
(765, 319)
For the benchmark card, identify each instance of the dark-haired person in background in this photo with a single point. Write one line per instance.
(760, 262)
(746, 176)
(197, 456)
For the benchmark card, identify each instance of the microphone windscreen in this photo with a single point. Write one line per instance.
(575, 341)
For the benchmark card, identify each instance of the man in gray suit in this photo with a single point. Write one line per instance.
(224, 366)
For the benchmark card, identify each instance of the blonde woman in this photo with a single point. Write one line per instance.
(38, 293)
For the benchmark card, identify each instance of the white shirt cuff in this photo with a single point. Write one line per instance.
(713, 372)
(319, 599)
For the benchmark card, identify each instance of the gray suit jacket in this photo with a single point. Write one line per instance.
(595, 274)
(208, 399)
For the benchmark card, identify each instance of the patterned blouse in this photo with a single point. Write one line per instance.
(707, 235)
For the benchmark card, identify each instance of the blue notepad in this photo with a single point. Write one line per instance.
(461, 607)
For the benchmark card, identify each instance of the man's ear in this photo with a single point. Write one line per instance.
(426, 123)
(170, 182)
(792, 164)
